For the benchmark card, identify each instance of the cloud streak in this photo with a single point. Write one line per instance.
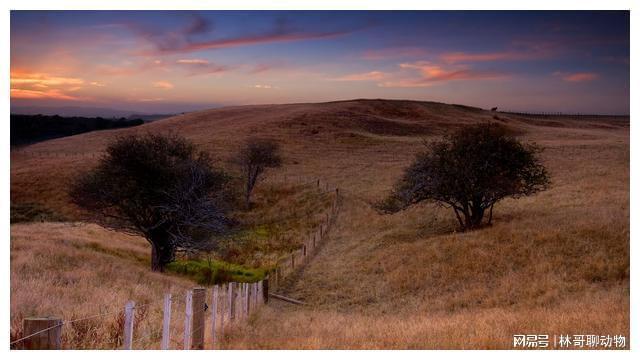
(185, 41)
(54, 94)
(577, 76)
(369, 76)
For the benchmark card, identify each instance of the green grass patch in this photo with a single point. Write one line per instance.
(212, 272)
(33, 212)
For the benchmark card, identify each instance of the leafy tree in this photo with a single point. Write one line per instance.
(255, 157)
(159, 187)
(470, 171)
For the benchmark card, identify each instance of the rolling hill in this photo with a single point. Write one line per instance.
(554, 263)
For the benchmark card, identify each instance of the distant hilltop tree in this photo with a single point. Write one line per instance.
(159, 187)
(470, 171)
(255, 156)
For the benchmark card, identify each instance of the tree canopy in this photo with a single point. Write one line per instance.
(470, 171)
(159, 187)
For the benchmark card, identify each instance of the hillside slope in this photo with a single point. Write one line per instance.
(319, 140)
(554, 263)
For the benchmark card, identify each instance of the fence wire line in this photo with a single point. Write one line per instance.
(65, 322)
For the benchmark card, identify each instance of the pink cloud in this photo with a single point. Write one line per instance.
(576, 77)
(193, 61)
(369, 76)
(254, 39)
(185, 40)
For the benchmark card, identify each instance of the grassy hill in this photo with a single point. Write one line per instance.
(554, 263)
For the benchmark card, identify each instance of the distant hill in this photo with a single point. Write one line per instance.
(27, 129)
(74, 111)
(82, 111)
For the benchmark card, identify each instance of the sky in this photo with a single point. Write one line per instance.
(174, 61)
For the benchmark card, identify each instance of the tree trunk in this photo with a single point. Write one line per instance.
(162, 252)
(473, 218)
(458, 217)
(157, 264)
(490, 214)
(252, 176)
(247, 195)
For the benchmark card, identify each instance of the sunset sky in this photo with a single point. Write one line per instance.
(148, 61)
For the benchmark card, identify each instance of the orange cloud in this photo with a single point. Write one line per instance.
(163, 85)
(36, 94)
(430, 74)
(576, 77)
(28, 85)
(41, 80)
(369, 76)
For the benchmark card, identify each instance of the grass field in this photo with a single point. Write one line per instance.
(556, 263)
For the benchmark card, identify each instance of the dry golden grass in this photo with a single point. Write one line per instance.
(554, 263)
(74, 270)
(276, 327)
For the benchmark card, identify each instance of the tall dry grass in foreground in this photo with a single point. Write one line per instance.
(299, 328)
(75, 271)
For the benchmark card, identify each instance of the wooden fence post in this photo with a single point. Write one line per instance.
(230, 307)
(237, 303)
(252, 297)
(222, 307)
(45, 340)
(254, 293)
(214, 314)
(187, 319)
(197, 327)
(246, 300)
(129, 310)
(166, 323)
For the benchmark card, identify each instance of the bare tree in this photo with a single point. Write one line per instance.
(255, 157)
(159, 187)
(470, 171)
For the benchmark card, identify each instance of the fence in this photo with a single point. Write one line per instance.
(550, 115)
(228, 305)
(288, 264)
